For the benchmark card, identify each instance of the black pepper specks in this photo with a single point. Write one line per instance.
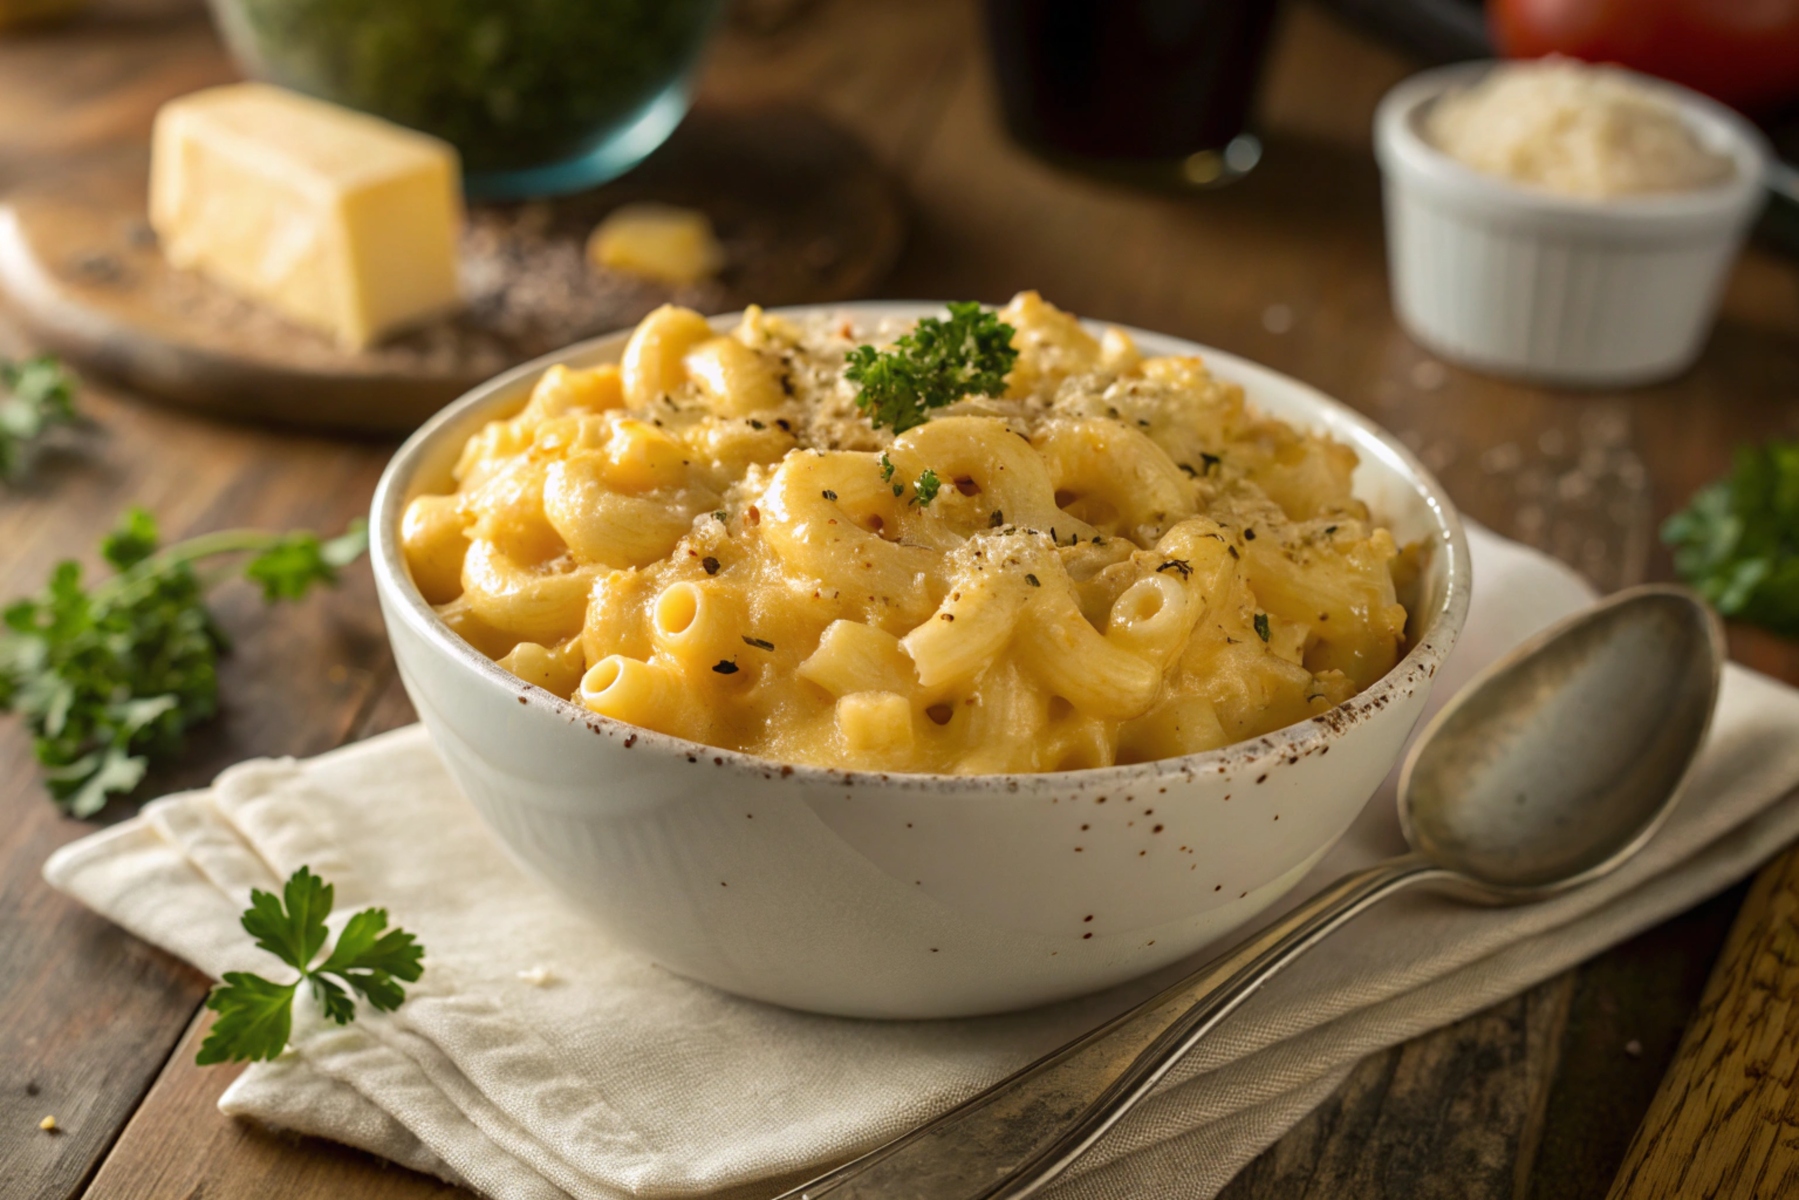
(725, 666)
(710, 564)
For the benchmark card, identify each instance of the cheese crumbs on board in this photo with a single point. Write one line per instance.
(658, 241)
(1575, 130)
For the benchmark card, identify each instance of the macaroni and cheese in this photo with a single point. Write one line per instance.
(1117, 560)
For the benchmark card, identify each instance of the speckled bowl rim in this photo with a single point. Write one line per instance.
(1438, 638)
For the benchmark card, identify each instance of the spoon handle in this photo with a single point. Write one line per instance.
(1026, 1129)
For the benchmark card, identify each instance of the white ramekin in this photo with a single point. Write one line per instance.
(1521, 282)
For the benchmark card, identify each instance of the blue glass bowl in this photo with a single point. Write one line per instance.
(540, 97)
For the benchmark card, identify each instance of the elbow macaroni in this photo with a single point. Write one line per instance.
(1123, 562)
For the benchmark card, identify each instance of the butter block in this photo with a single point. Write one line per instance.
(337, 220)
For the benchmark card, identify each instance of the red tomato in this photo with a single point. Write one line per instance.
(1744, 52)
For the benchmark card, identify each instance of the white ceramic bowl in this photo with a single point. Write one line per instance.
(1521, 282)
(908, 895)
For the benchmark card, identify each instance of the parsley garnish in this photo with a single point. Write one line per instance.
(1737, 541)
(758, 643)
(886, 467)
(35, 396)
(110, 677)
(1032, 580)
(256, 1016)
(1262, 626)
(927, 487)
(936, 364)
(995, 519)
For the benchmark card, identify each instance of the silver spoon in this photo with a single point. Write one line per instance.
(1549, 770)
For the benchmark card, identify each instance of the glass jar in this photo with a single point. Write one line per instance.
(540, 97)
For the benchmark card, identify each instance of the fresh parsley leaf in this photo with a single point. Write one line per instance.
(1262, 626)
(256, 1016)
(886, 467)
(927, 487)
(938, 363)
(132, 542)
(291, 926)
(35, 396)
(370, 957)
(110, 677)
(289, 568)
(1737, 541)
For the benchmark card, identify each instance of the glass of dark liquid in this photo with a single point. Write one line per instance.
(1149, 91)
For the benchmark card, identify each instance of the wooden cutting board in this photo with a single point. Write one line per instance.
(1725, 1122)
(805, 215)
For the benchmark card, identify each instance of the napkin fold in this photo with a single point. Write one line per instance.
(537, 1060)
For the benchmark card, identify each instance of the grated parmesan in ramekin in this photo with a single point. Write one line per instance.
(1573, 129)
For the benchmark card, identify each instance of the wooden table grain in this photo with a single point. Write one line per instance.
(1536, 1097)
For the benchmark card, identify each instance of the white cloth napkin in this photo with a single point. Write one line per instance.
(535, 1059)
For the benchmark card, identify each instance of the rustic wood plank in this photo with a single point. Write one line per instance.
(94, 83)
(1725, 1122)
(1625, 1019)
(1449, 1114)
(90, 1012)
(184, 1148)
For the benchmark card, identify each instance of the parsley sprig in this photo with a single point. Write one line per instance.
(256, 1015)
(36, 395)
(938, 363)
(110, 677)
(1737, 542)
(927, 487)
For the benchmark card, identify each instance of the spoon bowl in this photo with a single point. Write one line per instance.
(1550, 769)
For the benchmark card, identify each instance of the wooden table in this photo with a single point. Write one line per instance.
(1535, 1097)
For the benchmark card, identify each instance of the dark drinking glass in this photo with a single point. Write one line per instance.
(1154, 91)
